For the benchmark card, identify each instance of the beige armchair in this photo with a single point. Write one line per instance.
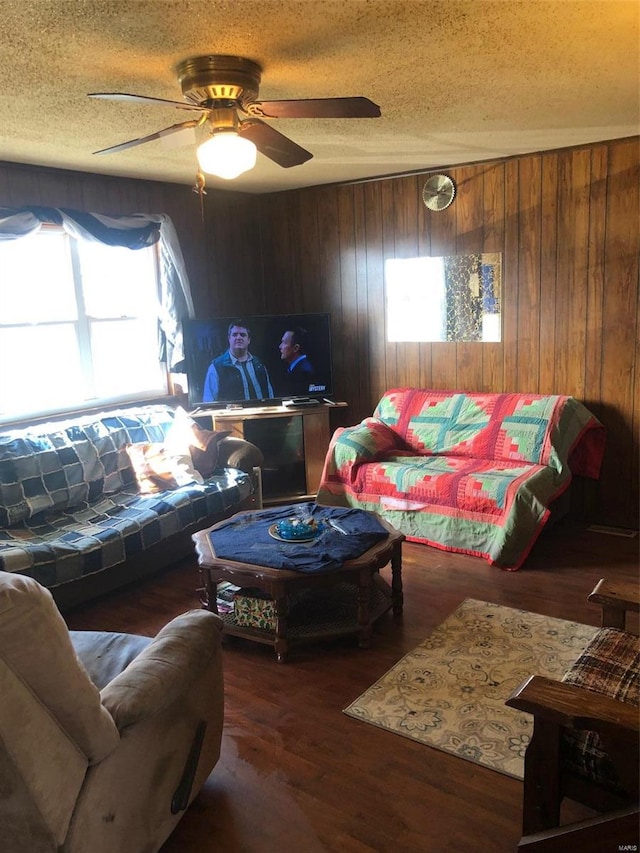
(104, 738)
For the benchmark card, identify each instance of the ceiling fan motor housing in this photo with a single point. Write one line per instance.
(219, 87)
(217, 77)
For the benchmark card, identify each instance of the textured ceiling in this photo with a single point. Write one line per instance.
(457, 81)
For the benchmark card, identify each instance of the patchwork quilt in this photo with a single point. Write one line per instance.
(69, 499)
(467, 472)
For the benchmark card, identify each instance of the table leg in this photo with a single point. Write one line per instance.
(209, 590)
(397, 596)
(281, 644)
(364, 617)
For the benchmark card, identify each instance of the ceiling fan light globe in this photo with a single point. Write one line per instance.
(226, 155)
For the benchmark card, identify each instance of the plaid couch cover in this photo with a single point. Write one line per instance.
(69, 502)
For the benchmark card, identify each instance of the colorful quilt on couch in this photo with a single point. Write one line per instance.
(467, 472)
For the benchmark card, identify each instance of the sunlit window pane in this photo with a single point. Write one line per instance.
(117, 282)
(125, 357)
(39, 368)
(78, 324)
(36, 279)
(416, 299)
(450, 298)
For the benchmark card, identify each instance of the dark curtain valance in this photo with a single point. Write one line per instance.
(131, 237)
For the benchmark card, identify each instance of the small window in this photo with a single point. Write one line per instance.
(78, 324)
(451, 298)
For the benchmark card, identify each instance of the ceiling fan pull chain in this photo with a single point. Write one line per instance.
(200, 189)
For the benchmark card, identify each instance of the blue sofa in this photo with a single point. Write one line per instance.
(71, 512)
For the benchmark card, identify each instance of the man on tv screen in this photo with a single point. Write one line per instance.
(300, 373)
(237, 374)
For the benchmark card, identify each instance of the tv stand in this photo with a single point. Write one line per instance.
(294, 441)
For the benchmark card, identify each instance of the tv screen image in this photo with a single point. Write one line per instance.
(248, 360)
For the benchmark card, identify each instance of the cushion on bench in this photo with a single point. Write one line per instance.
(609, 665)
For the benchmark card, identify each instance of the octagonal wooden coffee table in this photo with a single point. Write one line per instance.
(344, 600)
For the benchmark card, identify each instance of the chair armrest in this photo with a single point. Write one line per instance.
(239, 453)
(616, 598)
(556, 705)
(353, 446)
(574, 707)
(163, 671)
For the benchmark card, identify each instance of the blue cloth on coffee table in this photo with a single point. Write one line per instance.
(245, 538)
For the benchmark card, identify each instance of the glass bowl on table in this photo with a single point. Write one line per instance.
(296, 529)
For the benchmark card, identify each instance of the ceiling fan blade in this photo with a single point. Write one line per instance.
(273, 144)
(144, 99)
(158, 135)
(316, 108)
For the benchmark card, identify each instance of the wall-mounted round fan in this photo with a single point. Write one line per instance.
(224, 90)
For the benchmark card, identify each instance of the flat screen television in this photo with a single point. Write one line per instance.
(258, 359)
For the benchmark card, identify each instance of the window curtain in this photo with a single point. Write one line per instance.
(136, 231)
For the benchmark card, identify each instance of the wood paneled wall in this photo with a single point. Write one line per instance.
(565, 221)
(567, 225)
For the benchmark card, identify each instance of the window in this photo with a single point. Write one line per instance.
(451, 298)
(416, 299)
(78, 324)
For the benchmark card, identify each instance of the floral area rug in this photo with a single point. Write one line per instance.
(449, 692)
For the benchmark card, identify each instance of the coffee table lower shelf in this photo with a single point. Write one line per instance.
(321, 613)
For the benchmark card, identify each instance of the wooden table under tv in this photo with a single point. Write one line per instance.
(352, 596)
(249, 423)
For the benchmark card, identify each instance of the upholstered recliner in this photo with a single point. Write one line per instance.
(104, 738)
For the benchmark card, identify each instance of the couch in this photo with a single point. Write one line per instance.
(469, 472)
(96, 501)
(105, 738)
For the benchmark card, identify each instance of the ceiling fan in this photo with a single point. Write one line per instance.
(224, 91)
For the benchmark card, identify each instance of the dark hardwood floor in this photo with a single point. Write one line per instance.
(296, 775)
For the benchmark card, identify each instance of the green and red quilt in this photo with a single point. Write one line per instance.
(467, 472)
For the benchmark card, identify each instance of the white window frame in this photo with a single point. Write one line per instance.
(88, 398)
